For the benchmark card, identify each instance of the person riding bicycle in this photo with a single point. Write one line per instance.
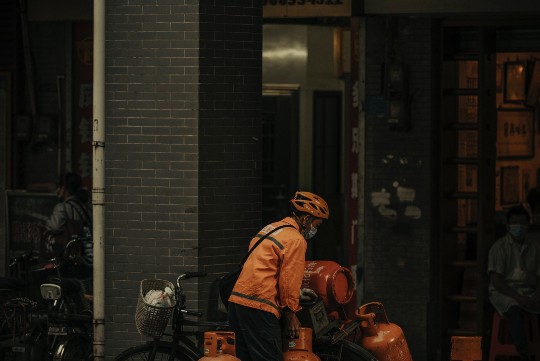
(268, 287)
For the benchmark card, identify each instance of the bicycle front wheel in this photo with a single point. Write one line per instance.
(74, 348)
(163, 353)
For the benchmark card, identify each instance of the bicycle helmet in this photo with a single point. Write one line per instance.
(310, 203)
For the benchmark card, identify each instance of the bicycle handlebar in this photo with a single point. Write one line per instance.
(22, 257)
(189, 275)
(192, 313)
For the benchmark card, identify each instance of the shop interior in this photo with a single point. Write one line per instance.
(500, 135)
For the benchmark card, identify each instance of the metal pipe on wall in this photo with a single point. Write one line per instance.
(98, 179)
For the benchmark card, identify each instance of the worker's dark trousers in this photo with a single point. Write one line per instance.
(516, 324)
(258, 334)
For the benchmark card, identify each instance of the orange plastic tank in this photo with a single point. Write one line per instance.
(219, 346)
(332, 282)
(383, 339)
(299, 349)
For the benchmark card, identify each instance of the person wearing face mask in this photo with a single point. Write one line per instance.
(266, 296)
(514, 271)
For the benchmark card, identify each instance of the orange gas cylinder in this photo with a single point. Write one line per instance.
(219, 345)
(332, 283)
(299, 349)
(383, 339)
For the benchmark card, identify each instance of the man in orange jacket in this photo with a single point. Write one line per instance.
(268, 288)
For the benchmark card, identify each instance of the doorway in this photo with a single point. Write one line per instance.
(280, 150)
(327, 174)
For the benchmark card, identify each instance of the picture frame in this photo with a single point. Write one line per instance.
(515, 82)
(515, 133)
(533, 94)
(498, 78)
(525, 181)
(510, 186)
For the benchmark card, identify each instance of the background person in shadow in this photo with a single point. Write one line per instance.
(514, 271)
(71, 217)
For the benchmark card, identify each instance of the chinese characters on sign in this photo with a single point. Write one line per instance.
(82, 102)
(515, 133)
(352, 155)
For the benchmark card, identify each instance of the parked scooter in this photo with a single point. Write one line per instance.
(69, 314)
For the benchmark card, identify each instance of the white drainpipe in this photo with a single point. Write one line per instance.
(98, 179)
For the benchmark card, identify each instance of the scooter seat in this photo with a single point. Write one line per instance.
(67, 284)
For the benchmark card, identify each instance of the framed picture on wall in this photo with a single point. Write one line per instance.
(534, 86)
(515, 82)
(515, 133)
(510, 186)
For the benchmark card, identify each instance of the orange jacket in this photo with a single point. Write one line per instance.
(272, 275)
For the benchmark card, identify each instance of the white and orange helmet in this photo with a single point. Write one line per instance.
(310, 203)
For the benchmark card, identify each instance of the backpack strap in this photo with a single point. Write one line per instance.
(81, 211)
(260, 240)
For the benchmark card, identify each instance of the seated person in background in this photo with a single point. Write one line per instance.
(514, 268)
(73, 216)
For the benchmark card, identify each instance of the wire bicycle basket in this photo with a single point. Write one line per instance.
(152, 320)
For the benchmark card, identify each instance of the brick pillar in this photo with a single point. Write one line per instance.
(183, 184)
(230, 132)
(398, 239)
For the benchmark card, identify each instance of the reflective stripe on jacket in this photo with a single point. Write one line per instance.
(272, 275)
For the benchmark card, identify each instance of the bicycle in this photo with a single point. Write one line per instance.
(21, 323)
(180, 347)
(29, 331)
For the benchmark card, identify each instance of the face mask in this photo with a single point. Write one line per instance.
(517, 230)
(311, 233)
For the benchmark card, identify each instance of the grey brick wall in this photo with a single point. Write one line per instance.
(182, 153)
(398, 249)
(229, 136)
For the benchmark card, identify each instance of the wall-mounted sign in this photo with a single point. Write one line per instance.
(515, 133)
(310, 8)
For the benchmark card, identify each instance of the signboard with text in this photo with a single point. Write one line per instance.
(82, 101)
(26, 216)
(309, 8)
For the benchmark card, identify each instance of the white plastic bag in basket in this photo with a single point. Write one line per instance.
(159, 298)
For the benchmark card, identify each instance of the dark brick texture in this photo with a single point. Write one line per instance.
(183, 147)
(398, 249)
